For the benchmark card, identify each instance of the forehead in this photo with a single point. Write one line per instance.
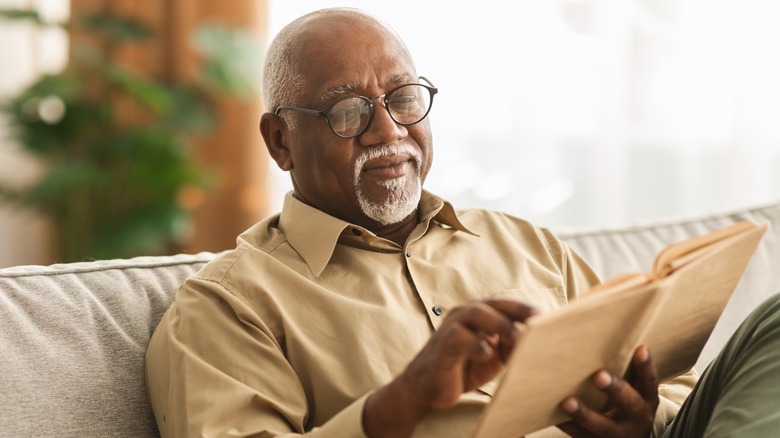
(336, 55)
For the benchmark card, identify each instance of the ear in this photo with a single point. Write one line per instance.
(273, 129)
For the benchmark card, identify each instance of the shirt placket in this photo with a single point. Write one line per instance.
(421, 277)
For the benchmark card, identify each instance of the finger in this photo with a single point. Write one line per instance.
(458, 343)
(483, 319)
(622, 395)
(485, 351)
(479, 315)
(587, 420)
(513, 309)
(516, 311)
(646, 374)
(491, 339)
(495, 316)
(571, 428)
(490, 342)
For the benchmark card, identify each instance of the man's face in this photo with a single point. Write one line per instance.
(373, 179)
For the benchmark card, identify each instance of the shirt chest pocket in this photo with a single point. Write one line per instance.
(544, 299)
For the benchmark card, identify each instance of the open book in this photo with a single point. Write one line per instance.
(672, 309)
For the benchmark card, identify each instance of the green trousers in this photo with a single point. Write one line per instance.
(738, 395)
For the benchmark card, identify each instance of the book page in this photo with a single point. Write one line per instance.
(676, 255)
(698, 292)
(673, 314)
(557, 355)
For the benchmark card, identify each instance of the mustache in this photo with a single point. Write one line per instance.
(384, 151)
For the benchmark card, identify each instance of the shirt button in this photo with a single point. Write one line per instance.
(437, 310)
(357, 232)
(408, 253)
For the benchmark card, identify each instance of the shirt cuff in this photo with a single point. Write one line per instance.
(347, 424)
(664, 415)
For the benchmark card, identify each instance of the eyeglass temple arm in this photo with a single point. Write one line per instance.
(298, 109)
(432, 87)
(428, 81)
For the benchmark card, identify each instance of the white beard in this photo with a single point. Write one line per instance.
(400, 202)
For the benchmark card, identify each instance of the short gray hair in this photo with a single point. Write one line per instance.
(283, 83)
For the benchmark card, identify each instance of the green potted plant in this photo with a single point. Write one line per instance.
(117, 186)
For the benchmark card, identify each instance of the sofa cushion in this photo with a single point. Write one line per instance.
(72, 344)
(616, 251)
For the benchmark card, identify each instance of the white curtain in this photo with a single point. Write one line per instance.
(594, 112)
(25, 52)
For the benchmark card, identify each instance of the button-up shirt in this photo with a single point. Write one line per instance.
(291, 331)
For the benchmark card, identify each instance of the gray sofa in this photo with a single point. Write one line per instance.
(73, 336)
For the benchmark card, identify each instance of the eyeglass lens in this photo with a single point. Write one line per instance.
(407, 105)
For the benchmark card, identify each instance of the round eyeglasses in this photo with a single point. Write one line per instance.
(349, 116)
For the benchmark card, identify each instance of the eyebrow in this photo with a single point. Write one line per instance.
(353, 87)
(339, 91)
(400, 79)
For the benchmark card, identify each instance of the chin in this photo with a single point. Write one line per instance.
(400, 203)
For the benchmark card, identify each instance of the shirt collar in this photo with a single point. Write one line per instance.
(314, 234)
(434, 208)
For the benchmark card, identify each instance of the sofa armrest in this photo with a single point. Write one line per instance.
(73, 339)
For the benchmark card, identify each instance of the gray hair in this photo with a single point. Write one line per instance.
(282, 81)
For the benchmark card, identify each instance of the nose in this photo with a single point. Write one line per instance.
(382, 129)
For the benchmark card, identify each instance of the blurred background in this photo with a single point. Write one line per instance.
(131, 129)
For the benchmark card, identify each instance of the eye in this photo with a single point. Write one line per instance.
(407, 104)
(348, 114)
(404, 101)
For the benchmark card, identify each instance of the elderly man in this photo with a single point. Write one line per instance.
(367, 307)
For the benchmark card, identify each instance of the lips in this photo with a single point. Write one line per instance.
(389, 166)
(386, 163)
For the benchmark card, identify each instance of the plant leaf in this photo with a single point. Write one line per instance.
(231, 60)
(114, 27)
(24, 15)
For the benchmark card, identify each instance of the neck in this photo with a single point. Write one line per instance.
(399, 232)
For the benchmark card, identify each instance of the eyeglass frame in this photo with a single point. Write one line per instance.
(326, 111)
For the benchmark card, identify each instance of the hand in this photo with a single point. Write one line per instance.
(632, 404)
(467, 351)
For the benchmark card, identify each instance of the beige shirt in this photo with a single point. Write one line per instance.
(289, 332)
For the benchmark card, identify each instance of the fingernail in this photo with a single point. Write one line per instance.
(570, 405)
(642, 354)
(486, 350)
(602, 379)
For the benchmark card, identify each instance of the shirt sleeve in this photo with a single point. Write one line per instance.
(578, 276)
(214, 368)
